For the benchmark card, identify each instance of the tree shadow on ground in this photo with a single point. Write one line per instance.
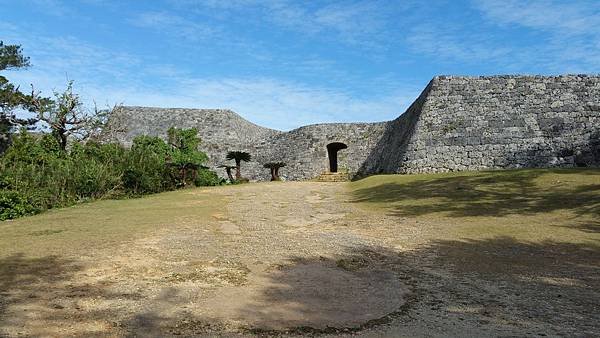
(43, 297)
(494, 285)
(486, 194)
(23, 280)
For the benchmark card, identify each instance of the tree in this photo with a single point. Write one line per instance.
(228, 169)
(275, 166)
(66, 116)
(238, 156)
(185, 155)
(11, 57)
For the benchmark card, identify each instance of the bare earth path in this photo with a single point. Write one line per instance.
(297, 258)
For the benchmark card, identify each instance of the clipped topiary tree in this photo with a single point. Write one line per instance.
(238, 157)
(275, 166)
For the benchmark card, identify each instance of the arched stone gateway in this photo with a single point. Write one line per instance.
(332, 152)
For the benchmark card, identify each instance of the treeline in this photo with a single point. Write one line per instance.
(37, 174)
(54, 159)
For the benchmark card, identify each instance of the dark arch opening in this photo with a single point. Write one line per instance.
(332, 151)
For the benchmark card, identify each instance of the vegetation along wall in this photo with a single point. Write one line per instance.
(457, 123)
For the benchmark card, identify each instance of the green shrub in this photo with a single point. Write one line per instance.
(13, 205)
(207, 178)
(36, 174)
(146, 170)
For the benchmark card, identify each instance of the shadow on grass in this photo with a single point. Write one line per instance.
(486, 194)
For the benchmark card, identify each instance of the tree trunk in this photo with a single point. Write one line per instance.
(273, 175)
(238, 170)
(229, 174)
(276, 175)
(183, 176)
(63, 139)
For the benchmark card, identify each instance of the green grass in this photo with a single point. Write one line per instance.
(103, 224)
(527, 205)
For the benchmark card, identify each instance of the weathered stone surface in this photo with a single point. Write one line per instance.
(497, 122)
(457, 123)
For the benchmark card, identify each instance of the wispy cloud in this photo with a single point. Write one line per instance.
(52, 7)
(108, 77)
(571, 34)
(358, 23)
(516, 36)
(450, 43)
(271, 102)
(569, 18)
(173, 24)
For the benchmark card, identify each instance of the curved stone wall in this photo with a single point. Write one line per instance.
(457, 123)
(303, 149)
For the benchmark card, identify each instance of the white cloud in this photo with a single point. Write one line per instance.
(173, 24)
(447, 43)
(357, 23)
(570, 30)
(110, 77)
(52, 7)
(576, 17)
(268, 102)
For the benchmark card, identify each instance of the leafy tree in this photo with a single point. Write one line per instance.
(275, 166)
(185, 156)
(36, 174)
(146, 170)
(238, 156)
(11, 57)
(66, 115)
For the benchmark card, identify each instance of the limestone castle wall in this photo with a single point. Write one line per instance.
(303, 149)
(457, 123)
(499, 122)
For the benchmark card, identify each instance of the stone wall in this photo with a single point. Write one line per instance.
(457, 123)
(498, 122)
(303, 149)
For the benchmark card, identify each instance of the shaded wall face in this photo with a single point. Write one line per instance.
(506, 122)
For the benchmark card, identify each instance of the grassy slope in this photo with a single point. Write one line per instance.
(530, 205)
(102, 224)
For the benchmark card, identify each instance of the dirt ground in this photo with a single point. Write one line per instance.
(301, 258)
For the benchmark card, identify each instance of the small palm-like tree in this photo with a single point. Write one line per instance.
(238, 156)
(275, 166)
(228, 169)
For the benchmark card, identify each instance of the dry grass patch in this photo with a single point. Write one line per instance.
(528, 205)
(103, 224)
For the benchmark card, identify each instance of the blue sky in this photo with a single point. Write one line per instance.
(284, 64)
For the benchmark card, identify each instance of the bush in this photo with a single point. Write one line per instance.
(207, 178)
(36, 174)
(13, 205)
(146, 170)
